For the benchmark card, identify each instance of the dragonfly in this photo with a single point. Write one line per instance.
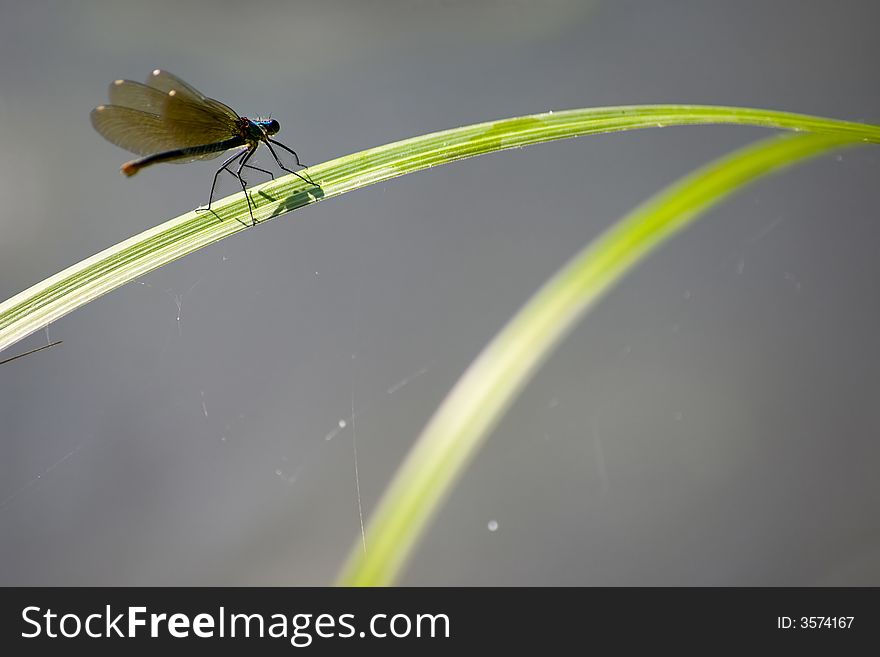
(168, 120)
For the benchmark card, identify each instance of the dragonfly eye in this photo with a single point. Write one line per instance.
(273, 127)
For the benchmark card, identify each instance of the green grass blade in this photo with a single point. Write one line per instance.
(479, 399)
(58, 295)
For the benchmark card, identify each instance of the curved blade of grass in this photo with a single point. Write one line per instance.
(58, 295)
(481, 396)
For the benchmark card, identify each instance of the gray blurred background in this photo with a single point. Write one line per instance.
(714, 421)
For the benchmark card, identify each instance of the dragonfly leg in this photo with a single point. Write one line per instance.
(223, 167)
(295, 156)
(266, 171)
(247, 155)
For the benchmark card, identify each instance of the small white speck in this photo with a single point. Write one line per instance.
(342, 424)
(278, 473)
(492, 526)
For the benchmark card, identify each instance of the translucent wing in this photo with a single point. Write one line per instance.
(197, 123)
(165, 82)
(164, 115)
(135, 95)
(144, 133)
(191, 112)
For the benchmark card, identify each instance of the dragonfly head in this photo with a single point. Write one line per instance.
(269, 127)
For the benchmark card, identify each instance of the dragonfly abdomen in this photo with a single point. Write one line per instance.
(132, 167)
